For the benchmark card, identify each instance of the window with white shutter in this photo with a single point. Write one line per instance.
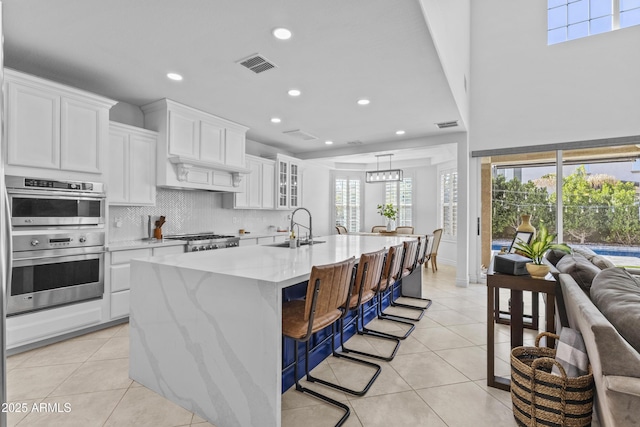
(449, 202)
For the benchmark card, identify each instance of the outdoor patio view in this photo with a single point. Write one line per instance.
(600, 206)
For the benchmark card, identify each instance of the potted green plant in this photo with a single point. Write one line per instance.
(536, 249)
(391, 213)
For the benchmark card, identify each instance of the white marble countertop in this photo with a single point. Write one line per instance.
(278, 265)
(142, 244)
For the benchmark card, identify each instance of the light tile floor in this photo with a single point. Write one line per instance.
(438, 377)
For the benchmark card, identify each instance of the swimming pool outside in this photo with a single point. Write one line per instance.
(631, 251)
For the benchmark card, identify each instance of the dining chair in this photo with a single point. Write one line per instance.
(341, 229)
(378, 228)
(404, 230)
(433, 253)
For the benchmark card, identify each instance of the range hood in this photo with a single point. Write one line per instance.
(196, 150)
(191, 171)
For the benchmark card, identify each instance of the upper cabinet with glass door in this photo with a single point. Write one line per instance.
(288, 182)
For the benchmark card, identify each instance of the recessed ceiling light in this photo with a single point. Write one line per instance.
(328, 142)
(275, 120)
(363, 101)
(174, 76)
(282, 34)
(400, 132)
(294, 92)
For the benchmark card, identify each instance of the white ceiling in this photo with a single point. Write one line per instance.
(340, 51)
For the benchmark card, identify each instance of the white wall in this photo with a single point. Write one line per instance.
(527, 93)
(316, 196)
(449, 25)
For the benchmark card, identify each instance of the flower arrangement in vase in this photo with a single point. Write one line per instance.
(391, 213)
(536, 249)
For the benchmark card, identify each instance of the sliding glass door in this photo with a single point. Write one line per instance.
(595, 203)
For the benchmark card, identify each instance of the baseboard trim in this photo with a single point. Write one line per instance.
(59, 338)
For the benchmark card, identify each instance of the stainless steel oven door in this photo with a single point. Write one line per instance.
(43, 279)
(49, 208)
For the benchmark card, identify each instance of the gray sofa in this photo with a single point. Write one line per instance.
(604, 305)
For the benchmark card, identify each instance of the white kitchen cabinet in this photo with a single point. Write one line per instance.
(234, 154)
(119, 274)
(212, 141)
(257, 187)
(53, 126)
(183, 134)
(288, 182)
(196, 149)
(132, 166)
(29, 328)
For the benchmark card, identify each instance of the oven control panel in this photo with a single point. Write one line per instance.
(20, 182)
(59, 185)
(76, 239)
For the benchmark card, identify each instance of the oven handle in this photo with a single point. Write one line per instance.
(8, 238)
(56, 255)
(36, 194)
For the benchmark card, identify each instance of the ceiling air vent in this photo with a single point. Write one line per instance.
(443, 125)
(354, 142)
(257, 63)
(298, 134)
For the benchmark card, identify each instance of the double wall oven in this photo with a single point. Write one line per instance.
(58, 242)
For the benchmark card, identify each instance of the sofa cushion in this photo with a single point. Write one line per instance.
(555, 255)
(602, 262)
(584, 251)
(579, 268)
(617, 295)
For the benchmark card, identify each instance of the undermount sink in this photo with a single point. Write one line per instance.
(285, 244)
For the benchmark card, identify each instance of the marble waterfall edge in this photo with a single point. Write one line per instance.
(180, 318)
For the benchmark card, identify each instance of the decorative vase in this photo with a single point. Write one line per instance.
(538, 271)
(525, 225)
(391, 224)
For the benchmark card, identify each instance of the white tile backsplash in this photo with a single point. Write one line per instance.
(190, 212)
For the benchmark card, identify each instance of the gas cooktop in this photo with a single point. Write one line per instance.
(199, 236)
(206, 241)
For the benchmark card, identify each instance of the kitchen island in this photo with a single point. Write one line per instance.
(206, 326)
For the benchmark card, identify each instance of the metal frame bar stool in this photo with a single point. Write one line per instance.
(410, 268)
(392, 264)
(409, 259)
(328, 294)
(367, 280)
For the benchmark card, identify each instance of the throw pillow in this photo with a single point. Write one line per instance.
(555, 255)
(616, 294)
(580, 269)
(584, 251)
(602, 262)
(571, 353)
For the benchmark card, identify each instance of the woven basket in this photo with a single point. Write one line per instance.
(540, 397)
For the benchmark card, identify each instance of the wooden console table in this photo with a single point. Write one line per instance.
(517, 284)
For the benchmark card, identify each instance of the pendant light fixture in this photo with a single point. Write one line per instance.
(388, 175)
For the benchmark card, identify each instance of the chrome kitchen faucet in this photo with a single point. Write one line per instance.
(310, 227)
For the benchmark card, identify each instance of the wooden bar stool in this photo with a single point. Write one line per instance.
(328, 293)
(391, 269)
(367, 281)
